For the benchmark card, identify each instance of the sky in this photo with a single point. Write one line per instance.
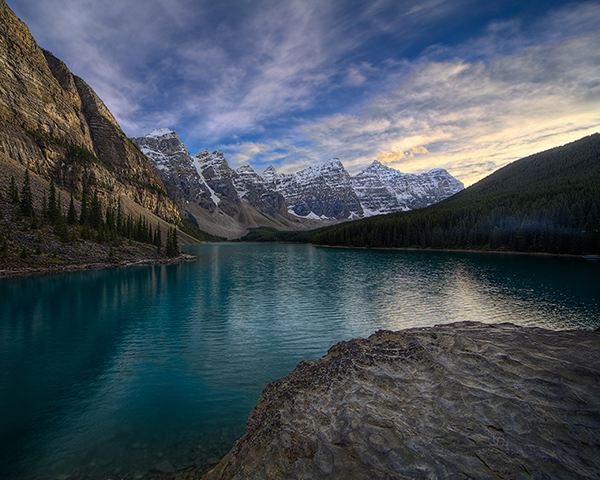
(465, 85)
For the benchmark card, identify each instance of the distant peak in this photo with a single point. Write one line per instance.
(333, 161)
(376, 164)
(270, 169)
(245, 168)
(160, 132)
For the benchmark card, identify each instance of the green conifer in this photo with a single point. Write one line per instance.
(172, 247)
(26, 203)
(157, 237)
(52, 208)
(72, 213)
(13, 191)
(95, 212)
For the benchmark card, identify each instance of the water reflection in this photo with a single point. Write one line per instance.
(111, 372)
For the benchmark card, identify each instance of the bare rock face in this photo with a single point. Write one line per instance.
(53, 123)
(465, 400)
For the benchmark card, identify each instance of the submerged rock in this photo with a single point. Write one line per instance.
(465, 400)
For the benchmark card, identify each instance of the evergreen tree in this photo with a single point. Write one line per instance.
(110, 219)
(95, 212)
(52, 209)
(84, 215)
(26, 204)
(59, 214)
(157, 239)
(72, 213)
(13, 191)
(172, 247)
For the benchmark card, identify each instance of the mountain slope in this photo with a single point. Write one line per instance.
(382, 189)
(548, 202)
(73, 187)
(53, 123)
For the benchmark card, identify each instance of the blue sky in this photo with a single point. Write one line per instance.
(464, 85)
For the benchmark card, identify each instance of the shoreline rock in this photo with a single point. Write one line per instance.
(181, 258)
(465, 400)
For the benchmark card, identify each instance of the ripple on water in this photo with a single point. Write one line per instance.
(110, 373)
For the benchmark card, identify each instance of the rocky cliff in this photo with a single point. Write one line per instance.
(466, 400)
(53, 123)
(382, 189)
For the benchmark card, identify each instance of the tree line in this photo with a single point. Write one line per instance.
(549, 202)
(93, 222)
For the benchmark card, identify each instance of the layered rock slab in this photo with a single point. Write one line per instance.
(465, 400)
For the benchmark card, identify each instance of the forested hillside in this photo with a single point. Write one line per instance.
(548, 202)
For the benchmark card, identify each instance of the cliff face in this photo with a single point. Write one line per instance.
(53, 123)
(465, 400)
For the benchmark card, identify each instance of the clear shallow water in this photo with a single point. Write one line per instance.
(110, 372)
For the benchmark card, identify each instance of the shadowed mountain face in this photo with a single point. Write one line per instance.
(312, 197)
(53, 123)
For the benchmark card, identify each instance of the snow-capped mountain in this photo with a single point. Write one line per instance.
(382, 189)
(319, 193)
(172, 161)
(328, 191)
(229, 201)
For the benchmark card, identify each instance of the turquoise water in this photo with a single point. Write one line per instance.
(107, 373)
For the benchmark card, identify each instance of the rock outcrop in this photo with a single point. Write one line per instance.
(53, 123)
(319, 192)
(465, 400)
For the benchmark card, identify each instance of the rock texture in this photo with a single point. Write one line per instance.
(319, 192)
(53, 123)
(466, 400)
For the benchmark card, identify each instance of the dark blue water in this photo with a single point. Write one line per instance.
(111, 372)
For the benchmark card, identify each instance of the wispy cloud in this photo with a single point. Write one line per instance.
(450, 83)
(474, 118)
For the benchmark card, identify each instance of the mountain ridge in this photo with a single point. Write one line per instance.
(547, 202)
(53, 123)
(324, 193)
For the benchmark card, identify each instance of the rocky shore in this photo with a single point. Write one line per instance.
(466, 400)
(69, 267)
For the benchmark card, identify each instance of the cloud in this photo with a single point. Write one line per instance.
(248, 151)
(473, 118)
(390, 157)
(294, 83)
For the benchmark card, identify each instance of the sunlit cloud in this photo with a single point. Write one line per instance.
(438, 84)
(474, 118)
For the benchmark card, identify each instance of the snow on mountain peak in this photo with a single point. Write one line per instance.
(245, 169)
(160, 132)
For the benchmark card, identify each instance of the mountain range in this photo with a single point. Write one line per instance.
(547, 202)
(227, 202)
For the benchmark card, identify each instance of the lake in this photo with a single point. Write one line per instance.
(113, 372)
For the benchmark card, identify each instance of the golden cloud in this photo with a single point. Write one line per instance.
(396, 155)
(389, 157)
